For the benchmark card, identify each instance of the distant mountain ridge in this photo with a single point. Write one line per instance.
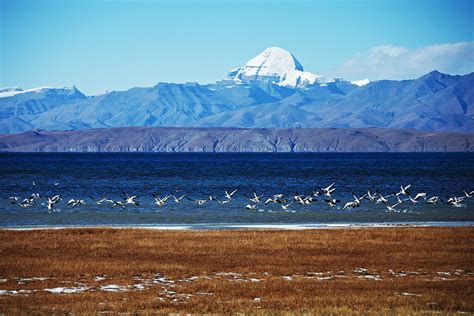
(271, 91)
(224, 140)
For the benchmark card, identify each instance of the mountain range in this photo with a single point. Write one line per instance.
(229, 139)
(271, 90)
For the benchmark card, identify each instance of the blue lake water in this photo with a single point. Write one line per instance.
(201, 175)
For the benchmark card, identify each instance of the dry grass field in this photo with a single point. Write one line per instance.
(375, 270)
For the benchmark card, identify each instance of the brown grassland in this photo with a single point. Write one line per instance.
(370, 271)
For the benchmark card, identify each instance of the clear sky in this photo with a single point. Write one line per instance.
(115, 45)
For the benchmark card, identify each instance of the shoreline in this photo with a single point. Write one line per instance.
(224, 226)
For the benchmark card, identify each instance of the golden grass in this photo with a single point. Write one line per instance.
(277, 271)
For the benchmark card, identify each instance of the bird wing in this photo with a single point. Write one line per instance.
(125, 193)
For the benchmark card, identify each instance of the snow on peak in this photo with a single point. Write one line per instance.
(278, 66)
(274, 60)
(10, 92)
(361, 82)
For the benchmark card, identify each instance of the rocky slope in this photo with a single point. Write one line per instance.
(146, 139)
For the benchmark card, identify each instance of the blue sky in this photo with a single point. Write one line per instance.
(115, 45)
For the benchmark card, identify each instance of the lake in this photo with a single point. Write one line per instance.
(80, 176)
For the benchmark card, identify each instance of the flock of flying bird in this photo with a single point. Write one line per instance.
(325, 194)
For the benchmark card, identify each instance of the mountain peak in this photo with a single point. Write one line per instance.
(10, 92)
(274, 58)
(275, 65)
(435, 74)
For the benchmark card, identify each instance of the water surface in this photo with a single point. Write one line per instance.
(201, 175)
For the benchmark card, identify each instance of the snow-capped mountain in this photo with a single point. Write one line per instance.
(278, 66)
(361, 82)
(271, 90)
(65, 91)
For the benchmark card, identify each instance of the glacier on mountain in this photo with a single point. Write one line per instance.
(278, 66)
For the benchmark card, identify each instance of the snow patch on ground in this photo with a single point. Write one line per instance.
(67, 290)
(15, 292)
(113, 288)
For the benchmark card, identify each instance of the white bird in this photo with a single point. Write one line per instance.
(350, 204)
(130, 199)
(176, 199)
(276, 198)
(411, 199)
(303, 201)
(255, 198)
(74, 203)
(455, 201)
(251, 207)
(118, 204)
(14, 199)
(419, 196)
(199, 202)
(433, 200)
(52, 201)
(26, 203)
(286, 206)
(392, 208)
(223, 202)
(332, 202)
(382, 199)
(103, 200)
(329, 189)
(308, 200)
(56, 198)
(372, 198)
(298, 199)
(160, 201)
(468, 194)
(270, 200)
(229, 195)
(358, 200)
(404, 190)
(355, 203)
